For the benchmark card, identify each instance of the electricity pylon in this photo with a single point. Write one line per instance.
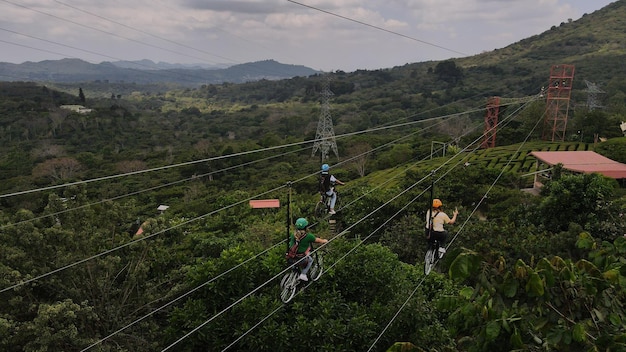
(325, 135)
(593, 101)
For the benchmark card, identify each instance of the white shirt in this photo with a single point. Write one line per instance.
(439, 220)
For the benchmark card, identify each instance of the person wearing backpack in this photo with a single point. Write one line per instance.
(327, 186)
(435, 219)
(300, 245)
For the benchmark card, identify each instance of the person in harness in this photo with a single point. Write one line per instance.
(435, 219)
(300, 245)
(327, 186)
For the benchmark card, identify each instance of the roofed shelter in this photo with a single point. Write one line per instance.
(587, 162)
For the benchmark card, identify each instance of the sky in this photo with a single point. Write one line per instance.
(325, 35)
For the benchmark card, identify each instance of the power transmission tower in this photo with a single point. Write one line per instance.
(557, 103)
(325, 135)
(593, 101)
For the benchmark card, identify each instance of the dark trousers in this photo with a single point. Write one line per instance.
(439, 236)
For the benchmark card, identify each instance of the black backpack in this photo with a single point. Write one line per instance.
(429, 230)
(324, 185)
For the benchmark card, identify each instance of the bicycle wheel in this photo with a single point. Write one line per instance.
(316, 268)
(288, 286)
(429, 260)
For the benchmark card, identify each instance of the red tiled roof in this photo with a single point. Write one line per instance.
(584, 161)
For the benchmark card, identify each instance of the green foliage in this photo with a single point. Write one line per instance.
(448, 71)
(614, 148)
(558, 304)
(523, 272)
(581, 199)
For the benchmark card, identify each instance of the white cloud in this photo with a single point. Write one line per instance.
(238, 31)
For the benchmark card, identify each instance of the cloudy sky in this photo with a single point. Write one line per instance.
(326, 35)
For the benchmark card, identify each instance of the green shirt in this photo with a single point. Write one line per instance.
(305, 242)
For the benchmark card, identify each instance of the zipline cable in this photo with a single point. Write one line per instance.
(457, 233)
(497, 178)
(192, 178)
(289, 268)
(355, 247)
(316, 249)
(135, 241)
(150, 236)
(388, 180)
(181, 297)
(375, 129)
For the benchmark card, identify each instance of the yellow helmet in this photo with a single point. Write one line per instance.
(437, 203)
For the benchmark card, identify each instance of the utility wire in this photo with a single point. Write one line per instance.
(100, 30)
(157, 233)
(347, 230)
(224, 156)
(136, 321)
(318, 248)
(379, 28)
(21, 283)
(192, 178)
(144, 32)
(31, 47)
(120, 247)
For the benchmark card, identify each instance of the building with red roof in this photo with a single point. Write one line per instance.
(586, 162)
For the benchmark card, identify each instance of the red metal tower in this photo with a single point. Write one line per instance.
(557, 103)
(491, 122)
(493, 110)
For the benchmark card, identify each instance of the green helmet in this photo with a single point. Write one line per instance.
(301, 223)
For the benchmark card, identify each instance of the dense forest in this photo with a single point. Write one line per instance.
(128, 227)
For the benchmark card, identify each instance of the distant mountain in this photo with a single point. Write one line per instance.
(151, 65)
(146, 71)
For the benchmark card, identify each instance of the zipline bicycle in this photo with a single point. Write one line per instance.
(433, 254)
(323, 205)
(290, 281)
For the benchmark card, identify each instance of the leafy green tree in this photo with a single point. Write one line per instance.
(614, 148)
(556, 304)
(581, 199)
(448, 71)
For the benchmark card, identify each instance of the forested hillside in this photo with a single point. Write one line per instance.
(129, 228)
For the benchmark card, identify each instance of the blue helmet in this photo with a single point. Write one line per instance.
(325, 168)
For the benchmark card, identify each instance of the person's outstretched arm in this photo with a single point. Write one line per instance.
(454, 214)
